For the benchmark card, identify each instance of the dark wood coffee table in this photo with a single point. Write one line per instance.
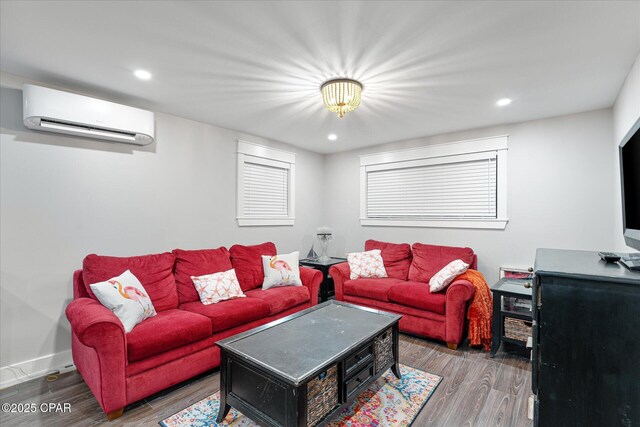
(302, 369)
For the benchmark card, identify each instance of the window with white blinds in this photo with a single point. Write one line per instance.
(266, 190)
(464, 189)
(445, 191)
(265, 185)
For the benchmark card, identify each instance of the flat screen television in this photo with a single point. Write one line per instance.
(630, 173)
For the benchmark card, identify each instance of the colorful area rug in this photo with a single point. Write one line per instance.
(388, 402)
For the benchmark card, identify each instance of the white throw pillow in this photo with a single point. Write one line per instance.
(444, 277)
(126, 297)
(216, 287)
(281, 270)
(367, 264)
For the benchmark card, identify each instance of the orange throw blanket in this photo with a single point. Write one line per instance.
(480, 309)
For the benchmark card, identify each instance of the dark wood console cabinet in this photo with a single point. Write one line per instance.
(586, 336)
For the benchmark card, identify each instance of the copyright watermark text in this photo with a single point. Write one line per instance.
(46, 407)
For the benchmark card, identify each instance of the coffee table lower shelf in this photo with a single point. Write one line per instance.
(269, 400)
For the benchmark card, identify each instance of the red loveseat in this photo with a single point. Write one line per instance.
(440, 315)
(179, 342)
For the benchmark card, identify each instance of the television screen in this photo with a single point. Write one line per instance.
(630, 169)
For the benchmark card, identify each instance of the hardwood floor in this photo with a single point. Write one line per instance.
(476, 391)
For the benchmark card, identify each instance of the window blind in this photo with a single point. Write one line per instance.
(455, 190)
(266, 192)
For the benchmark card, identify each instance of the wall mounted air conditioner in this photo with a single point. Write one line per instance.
(52, 110)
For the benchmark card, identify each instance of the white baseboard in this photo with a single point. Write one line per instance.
(34, 368)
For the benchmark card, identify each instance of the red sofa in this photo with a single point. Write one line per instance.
(179, 342)
(440, 315)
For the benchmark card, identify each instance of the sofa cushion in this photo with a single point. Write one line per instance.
(230, 313)
(166, 331)
(155, 272)
(247, 260)
(281, 299)
(197, 263)
(377, 289)
(429, 259)
(396, 257)
(418, 295)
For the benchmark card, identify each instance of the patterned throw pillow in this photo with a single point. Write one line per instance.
(367, 264)
(216, 287)
(281, 270)
(126, 297)
(444, 277)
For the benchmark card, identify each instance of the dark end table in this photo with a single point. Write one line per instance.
(326, 287)
(512, 316)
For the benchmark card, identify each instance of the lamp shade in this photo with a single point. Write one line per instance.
(341, 95)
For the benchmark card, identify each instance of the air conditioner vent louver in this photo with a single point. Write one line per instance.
(53, 123)
(61, 112)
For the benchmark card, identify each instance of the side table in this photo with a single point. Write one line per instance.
(326, 287)
(512, 316)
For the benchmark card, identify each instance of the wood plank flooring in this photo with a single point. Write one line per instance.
(476, 391)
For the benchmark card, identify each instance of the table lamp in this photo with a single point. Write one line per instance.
(324, 236)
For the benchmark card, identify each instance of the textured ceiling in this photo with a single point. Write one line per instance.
(427, 67)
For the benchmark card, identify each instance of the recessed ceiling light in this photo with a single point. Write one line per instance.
(332, 137)
(142, 74)
(502, 102)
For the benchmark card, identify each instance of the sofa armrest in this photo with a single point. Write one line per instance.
(460, 290)
(312, 279)
(94, 324)
(99, 348)
(340, 274)
(458, 294)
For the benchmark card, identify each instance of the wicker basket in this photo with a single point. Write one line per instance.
(517, 329)
(383, 350)
(322, 395)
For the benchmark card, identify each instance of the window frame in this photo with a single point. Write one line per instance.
(249, 152)
(437, 153)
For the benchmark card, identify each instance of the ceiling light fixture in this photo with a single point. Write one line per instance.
(341, 95)
(503, 102)
(142, 74)
(332, 137)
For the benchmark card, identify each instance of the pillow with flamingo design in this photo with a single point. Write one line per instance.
(281, 270)
(125, 296)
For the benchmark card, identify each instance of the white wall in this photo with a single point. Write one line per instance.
(626, 112)
(63, 198)
(559, 193)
